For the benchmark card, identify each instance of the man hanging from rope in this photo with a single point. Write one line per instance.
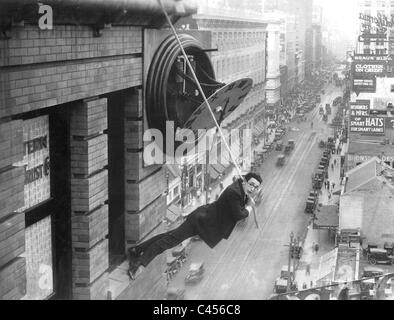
(212, 223)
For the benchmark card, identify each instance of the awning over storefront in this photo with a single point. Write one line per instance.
(347, 264)
(327, 265)
(326, 217)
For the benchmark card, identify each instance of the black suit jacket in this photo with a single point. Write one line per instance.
(216, 221)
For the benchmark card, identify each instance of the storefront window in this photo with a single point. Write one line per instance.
(39, 269)
(37, 191)
(36, 161)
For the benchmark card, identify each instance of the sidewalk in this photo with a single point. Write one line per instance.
(320, 237)
(119, 279)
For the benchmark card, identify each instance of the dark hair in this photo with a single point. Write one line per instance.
(252, 175)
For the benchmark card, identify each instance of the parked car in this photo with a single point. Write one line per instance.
(310, 205)
(379, 256)
(280, 162)
(370, 272)
(291, 144)
(279, 145)
(280, 286)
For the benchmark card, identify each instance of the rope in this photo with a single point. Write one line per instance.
(207, 103)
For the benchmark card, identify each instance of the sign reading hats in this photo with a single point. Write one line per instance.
(361, 121)
(368, 125)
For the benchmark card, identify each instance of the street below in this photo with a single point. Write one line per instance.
(247, 264)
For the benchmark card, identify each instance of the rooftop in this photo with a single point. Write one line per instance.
(372, 147)
(368, 171)
(326, 217)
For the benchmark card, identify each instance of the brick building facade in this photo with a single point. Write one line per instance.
(71, 122)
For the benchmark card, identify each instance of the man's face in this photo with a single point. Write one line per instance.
(252, 186)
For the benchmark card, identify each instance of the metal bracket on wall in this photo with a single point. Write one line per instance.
(5, 32)
(98, 29)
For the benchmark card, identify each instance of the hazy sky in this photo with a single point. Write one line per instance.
(341, 14)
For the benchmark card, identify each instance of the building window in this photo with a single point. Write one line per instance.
(39, 274)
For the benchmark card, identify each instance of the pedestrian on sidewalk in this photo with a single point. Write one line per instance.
(308, 270)
(332, 166)
(333, 186)
(335, 162)
(316, 248)
(211, 223)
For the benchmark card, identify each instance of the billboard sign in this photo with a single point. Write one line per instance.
(364, 85)
(360, 108)
(368, 125)
(375, 57)
(368, 69)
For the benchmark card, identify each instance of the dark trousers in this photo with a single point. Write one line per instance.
(162, 242)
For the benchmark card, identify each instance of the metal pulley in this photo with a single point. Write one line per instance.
(171, 89)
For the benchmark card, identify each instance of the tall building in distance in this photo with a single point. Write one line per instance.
(383, 9)
(317, 45)
(302, 10)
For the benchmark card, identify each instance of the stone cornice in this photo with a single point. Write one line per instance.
(226, 22)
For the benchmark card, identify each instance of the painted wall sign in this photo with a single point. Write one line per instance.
(362, 158)
(381, 21)
(360, 108)
(364, 85)
(36, 161)
(362, 69)
(368, 57)
(370, 125)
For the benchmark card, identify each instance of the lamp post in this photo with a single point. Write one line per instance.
(289, 262)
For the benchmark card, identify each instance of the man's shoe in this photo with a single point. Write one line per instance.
(135, 271)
